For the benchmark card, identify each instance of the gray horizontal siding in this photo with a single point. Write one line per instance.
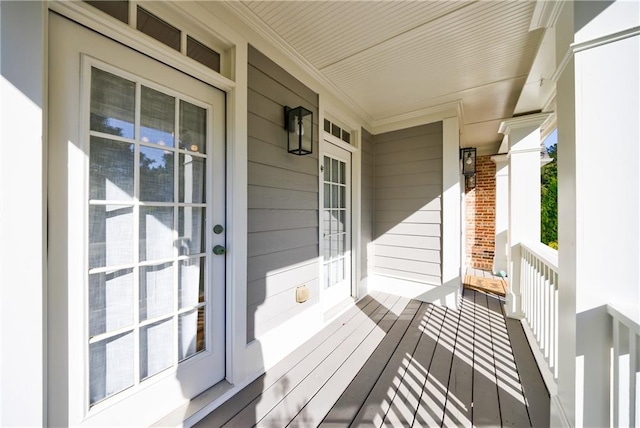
(435, 178)
(403, 134)
(418, 254)
(412, 205)
(282, 199)
(261, 319)
(411, 167)
(278, 282)
(407, 199)
(413, 229)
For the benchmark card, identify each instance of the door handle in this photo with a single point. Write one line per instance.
(219, 250)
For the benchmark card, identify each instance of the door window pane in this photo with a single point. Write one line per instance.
(112, 104)
(191, 227)
(156, 351)
(111, 168)
(110, 366)
(157, 117)
(327, 195)
(191, 281)
(156, 233)
(156, 175)
(110, 235)
(193, 127)
(334, 170)
(156, 290)
(110, 301)
(327, 168)
(191, 333)
(192, 179)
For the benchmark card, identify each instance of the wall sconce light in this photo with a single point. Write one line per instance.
(299, 125)
(468, 155)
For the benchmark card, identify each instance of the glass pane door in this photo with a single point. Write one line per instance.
(148, 208)
(334, 217)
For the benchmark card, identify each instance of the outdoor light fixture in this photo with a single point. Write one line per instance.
(299, 125)
(468, 156)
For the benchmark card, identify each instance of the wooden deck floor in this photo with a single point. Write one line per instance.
(392, 361)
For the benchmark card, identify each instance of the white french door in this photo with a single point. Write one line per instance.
(336, 225)
(136, 175)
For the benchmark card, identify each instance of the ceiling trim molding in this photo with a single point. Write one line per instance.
(545, 14)
(418, 117)
(263, 30)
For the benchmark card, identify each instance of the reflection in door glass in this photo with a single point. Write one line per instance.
(157, 117)
(112, 104)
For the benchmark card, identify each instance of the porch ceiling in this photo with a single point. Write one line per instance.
(394, 58)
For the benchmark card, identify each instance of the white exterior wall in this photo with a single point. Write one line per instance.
(22, 222)
(598, 196)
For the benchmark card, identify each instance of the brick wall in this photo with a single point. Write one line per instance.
(480, 216)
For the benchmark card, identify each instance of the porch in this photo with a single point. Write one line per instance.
(399, 362)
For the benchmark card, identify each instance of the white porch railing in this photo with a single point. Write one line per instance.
(539, 290)
(625, 385)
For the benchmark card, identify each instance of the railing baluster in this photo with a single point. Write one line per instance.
(632, 377)
(547, 312)
(615, 408)
(556, 322)
(538, 301)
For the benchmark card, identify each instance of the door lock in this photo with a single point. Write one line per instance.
(218, 229)
(219, 250)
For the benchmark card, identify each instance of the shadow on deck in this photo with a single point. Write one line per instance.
(392, 361)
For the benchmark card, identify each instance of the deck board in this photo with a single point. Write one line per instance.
(486, 406)
(277, 394)
(513, 410)
(384, 365)
(457, 411)
(366, 338)
(390, 361)
(376, 345)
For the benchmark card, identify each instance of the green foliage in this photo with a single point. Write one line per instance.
(549, 200)
(553, 245)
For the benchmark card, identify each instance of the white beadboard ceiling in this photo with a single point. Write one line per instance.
(393, 58)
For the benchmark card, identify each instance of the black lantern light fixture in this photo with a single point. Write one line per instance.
(299, 125)
(468, 155)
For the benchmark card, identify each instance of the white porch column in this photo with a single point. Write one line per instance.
(598, 106)
(523, 134)
(500, 260)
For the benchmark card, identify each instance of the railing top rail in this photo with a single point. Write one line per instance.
(626, 316)
(543, 252)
